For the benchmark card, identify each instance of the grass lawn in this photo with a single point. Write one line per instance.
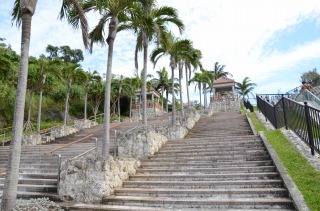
(303, 174)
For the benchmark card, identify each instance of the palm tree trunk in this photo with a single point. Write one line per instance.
(173, 100)
(66, 107)
(28, 126)
(11, 180)
(200, 96)
(40, 103)
(85, 103)
(130, 110)
(205, 94)
(180, 88)
(162, 98)
(113, 26)
(119, 109)
(39, 111)
(187, 84)
(167, 95)
(144, 83)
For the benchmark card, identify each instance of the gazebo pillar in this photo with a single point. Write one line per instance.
(154, 109)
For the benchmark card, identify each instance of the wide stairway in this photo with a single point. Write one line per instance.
(220, 165)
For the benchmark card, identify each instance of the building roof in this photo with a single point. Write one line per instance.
(223, 80)
(151, 89)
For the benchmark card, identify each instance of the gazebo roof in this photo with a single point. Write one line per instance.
(138, 91)
(223, 80)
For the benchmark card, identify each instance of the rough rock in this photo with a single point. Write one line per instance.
(90, 178)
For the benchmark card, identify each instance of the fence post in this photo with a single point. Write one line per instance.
(275, 117)
(284, 113)
(309, 127)
(265, 111)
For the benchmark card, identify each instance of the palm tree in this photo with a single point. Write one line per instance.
(218, 71)
(245, 87)
(11, 180)
(70, 72)
(46, 68)
(96, 94)
(193, 61)
(22, 12)
(133, 84)
(162, 82)
(110, 12)
(149, 23)
(175, 49)
(205, 78)
(197, 80)
(89, 77)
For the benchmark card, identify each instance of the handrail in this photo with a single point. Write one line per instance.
(66, 145)
(96, 148)
(2, 170)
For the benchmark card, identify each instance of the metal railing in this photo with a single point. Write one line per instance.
(302, 119)
(248, 105)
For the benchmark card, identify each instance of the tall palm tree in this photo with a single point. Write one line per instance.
(218, 71)
(245, 87)
(133, 84)
(205, 77)
(149, 23)
(175, 49)
(110, 12)
(22, 13)
(197, 80)
(96, 96)
(70, 72)
(89, 77)
(193, 61)
(161, 83)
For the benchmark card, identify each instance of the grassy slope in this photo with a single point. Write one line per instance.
(303, 174)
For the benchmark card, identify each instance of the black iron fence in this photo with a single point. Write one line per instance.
(248, 105)
(302, 119)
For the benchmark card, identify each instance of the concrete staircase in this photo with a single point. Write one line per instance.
(220, 165)
(38, 173)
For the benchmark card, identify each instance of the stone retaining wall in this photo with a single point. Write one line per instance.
(92, 177)
(56, 132)
(225, 106)
(140, 142)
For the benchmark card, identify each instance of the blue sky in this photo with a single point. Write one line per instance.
(270, 41)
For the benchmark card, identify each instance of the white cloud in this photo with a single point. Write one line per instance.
(232, 32)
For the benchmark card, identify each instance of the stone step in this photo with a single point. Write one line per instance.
(211, 146)
(222, 139)
(172, 165)
(36, 175)
(210, 170)
(275, 183)
(206, 158)
(35, 181)
(235, 203)
(81, 206)
(209, 150)
(214, 154)
(35, 188)
(204, 177)
(204, 193)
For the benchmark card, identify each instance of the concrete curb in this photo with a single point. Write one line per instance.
(294, 192)
(251, 125)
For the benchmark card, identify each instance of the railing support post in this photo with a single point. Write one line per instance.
(309, 127)
(275, 117)
(265, 111)
(284, 112)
